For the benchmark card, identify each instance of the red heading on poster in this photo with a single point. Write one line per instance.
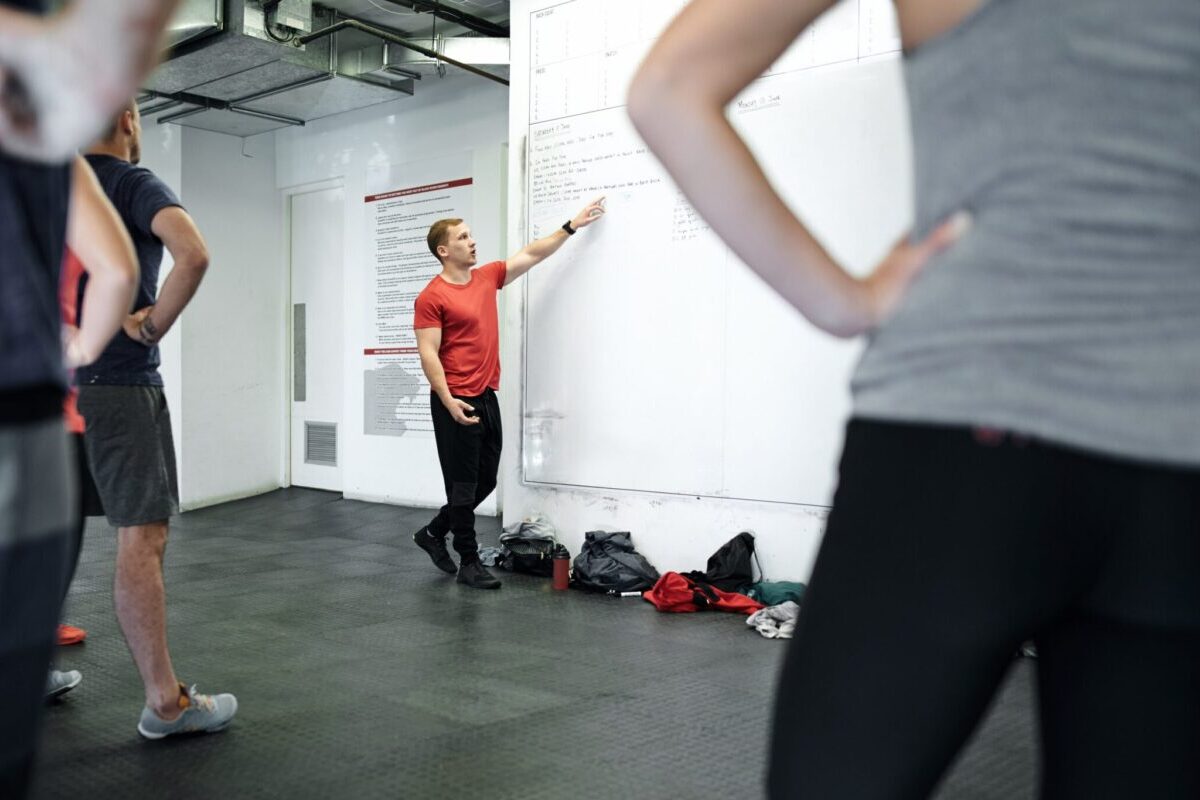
(389, 351)
(431, 187)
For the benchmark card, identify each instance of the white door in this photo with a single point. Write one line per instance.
(317, 323)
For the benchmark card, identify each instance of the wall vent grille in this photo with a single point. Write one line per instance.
(320, 443)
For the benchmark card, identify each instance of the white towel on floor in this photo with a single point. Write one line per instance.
(775, 622)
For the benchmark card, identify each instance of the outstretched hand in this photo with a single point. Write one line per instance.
(592, 212)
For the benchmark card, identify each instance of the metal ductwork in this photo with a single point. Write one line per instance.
(196, 20)
(386, 61)
(244, 67)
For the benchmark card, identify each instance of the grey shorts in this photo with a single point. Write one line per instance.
(130, 452)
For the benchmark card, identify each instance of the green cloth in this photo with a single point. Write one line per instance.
(772, 593)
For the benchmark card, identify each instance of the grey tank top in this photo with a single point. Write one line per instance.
(1071, 309)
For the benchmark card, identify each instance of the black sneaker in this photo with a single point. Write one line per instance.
(475, 575)
(436, 548)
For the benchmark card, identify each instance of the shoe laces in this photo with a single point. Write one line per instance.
(201, 701)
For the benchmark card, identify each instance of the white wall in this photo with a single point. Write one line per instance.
(461, 113)
(233, 332)
(221, 362)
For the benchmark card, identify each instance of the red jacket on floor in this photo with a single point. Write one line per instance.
(675, 592)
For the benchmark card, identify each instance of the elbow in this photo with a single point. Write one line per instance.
(663, 100)
(128, 278)
(124, 272)
(195, 261)
(649, 90)
(125, 268)
(200, 258)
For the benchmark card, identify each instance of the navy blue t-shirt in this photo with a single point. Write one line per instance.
(33, 228)
(138, 195)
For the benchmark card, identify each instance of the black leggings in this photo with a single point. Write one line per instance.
(470, 460)
(87, 505)
(945, 550)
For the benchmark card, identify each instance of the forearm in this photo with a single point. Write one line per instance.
(533, 254)
(436, 375)
(106, 303)
(16, 25)
(540, 249)
(735, 197)
(677, 102)
(177, 291)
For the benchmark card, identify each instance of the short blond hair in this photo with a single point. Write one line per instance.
(439, 234)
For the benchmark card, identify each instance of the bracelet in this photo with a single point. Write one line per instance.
(566, 226)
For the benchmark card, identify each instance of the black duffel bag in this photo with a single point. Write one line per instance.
(608, 563)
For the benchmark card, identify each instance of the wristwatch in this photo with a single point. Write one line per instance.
(566, 226)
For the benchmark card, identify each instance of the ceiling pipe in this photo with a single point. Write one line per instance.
(387, 36)
(151, 108)
(178, 115)
(468, 21)
(287, 87)
(250, 112)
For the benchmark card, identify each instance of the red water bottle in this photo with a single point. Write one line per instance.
(562, 567)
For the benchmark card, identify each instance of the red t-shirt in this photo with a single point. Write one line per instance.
(470, 352)
(68, 291)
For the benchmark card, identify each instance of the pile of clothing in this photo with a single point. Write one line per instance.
(727, 584)
(609, 563)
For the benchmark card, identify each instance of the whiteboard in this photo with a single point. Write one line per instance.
(654, 359)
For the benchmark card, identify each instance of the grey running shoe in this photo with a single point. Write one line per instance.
(202, 713)
(436, 548)
(475, 575)
(59, 683)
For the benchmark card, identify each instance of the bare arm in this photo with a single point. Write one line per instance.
(63, 77)
(683, 86)
(922, 20)
(429, 345)
(182, 238)
(537, 251)
(99, 239)
(20, 23)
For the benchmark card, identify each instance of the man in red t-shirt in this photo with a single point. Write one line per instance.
(458, 337)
